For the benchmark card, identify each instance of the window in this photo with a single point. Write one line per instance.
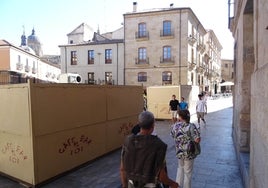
(166, 28)
(73, 58)
(142, 77)
(108, 56)
(166, 53)
(108, 78)
(34, 68)
(90, 56)
(19, 59)
(27, 67)
(167, 78)
(142, 30)
(90, 77)
(142, 55)
(226, 65)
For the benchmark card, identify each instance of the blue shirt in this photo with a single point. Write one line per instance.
(183, 105)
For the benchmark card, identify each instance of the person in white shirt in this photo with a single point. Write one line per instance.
(201, 109)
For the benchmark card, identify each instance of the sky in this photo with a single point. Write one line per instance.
(54, 19)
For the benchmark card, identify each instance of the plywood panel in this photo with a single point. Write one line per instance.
(16, 157)
(14, 109)
(58, 152)
(65, 106)
(124, 101)
(117, 130)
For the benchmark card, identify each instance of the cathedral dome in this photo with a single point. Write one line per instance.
(33, 38)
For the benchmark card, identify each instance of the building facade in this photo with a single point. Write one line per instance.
(227, 75)
(170, 47)
(248, 24)
(99, 60)
(20, 64)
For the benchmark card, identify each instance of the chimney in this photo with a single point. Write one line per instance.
(134, 6)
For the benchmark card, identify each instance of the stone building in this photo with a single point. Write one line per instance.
(248, 24)
(227, 70)
(17, 64)
(227, 75)
(170, 46)
(99, 60)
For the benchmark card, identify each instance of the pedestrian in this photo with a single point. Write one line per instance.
(183, 132)
(173, 108)
(136, 129)
(201, 109)
(183, 105)
(143, 157)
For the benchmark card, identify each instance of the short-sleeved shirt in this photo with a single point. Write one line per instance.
(183, 105)
(182, 133)
(174, 104)
(201, 106)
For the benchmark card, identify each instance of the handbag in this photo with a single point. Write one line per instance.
(194, 148)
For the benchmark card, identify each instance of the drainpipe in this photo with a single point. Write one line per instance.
(180, 52)
(124, 68)
(65, 55)
(117, 64)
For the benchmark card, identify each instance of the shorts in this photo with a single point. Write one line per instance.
(174, 113)
(200, 115)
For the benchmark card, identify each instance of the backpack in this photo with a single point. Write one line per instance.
(143, 157)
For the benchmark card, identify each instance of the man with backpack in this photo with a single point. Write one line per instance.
(143, 158)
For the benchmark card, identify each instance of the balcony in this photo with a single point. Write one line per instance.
(19, 66)
(167, 34)
(200, 69)
(164, 60)
(34, 70)
(191, 40)
(27, 68)
(201, 48)
(142, 61)
(48, 74)
(142, 35)
(191, 65)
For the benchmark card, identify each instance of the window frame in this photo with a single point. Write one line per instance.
(90, 57)
(142, 30)
(73, 57)
(108, 78)
(167, 78)
(142, 76)
(108, 56)
(167, 28)
(142, 55)
(166, 53)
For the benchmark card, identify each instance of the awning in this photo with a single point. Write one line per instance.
(226, 84)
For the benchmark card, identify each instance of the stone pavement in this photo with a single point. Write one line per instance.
(215, 167)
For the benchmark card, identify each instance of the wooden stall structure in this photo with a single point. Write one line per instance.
(48, 129)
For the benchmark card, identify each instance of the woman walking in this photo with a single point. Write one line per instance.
(184, 134)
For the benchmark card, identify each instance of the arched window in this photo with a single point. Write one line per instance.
(142, 77)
